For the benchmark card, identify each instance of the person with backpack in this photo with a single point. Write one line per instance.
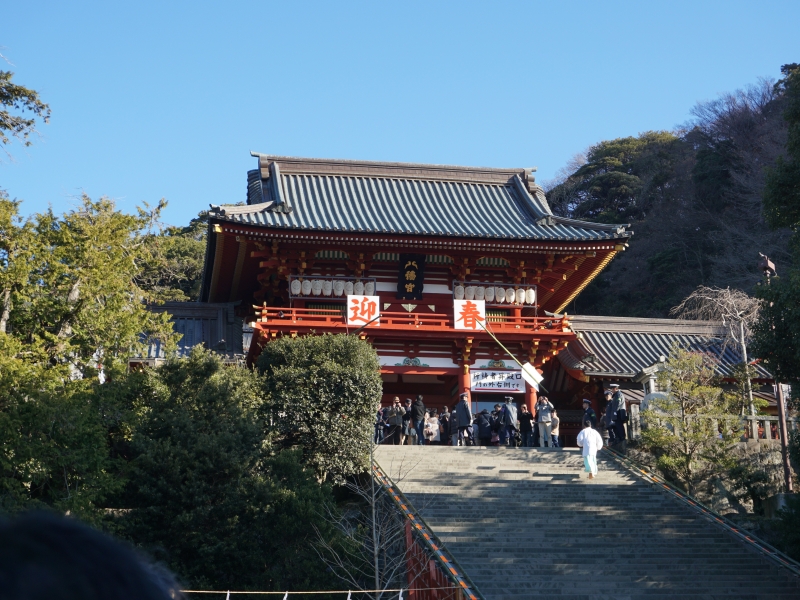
(495, 424)
(483, 422)
(509, 422)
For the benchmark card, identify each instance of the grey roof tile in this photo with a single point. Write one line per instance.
(405, 204)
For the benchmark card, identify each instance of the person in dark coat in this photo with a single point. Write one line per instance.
(483, 422)
(464, 414)
(453, 427)
(496, 423)
(588, 413)
(408, 425)
(526, 426)
(395, 419)
(418, 418)
(609, 419)
(509, 422)
(620, 412)
(444, 421)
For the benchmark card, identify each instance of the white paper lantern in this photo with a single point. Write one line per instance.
(510, 295)
(327, 287)
(369, 288)
(316, 287)
(499, 294)
(358, 288)
(338, 287)
(520, 296)
(530, 296)
(480, 293)
(295, 287)
(469, 292)
(348, 288)
(306, 287)
(490, 294)
(458, 292)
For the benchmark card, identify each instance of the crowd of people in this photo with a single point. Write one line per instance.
(412, 423)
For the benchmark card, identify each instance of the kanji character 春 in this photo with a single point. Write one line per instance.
(470, 315)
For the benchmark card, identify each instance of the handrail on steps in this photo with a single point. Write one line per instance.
(434, 545)
(693, 503)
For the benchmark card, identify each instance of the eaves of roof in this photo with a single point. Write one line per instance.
(428, 200)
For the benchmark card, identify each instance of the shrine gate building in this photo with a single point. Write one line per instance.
(415, 239)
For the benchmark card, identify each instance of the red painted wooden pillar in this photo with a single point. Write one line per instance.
(463, 379)
(530, 397)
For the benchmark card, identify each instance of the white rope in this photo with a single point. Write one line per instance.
(348, 592)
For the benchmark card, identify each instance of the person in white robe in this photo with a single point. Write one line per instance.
(590, 441)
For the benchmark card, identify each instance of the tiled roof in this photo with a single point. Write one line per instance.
(622, 347)
(349, 196)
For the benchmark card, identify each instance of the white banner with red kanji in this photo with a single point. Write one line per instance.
(469, 314)
(363, 309)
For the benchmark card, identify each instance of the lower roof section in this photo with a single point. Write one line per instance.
(622, 347)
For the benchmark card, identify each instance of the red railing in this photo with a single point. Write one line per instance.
(334, 319)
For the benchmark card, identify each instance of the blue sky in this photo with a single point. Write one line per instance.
(166, 99)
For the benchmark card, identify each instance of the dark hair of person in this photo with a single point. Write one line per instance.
(587, 423)
(44, 556)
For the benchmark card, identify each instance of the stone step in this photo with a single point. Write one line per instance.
(523, 523)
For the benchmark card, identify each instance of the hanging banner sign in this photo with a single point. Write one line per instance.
(363, 309)
(469, 314)
(410, 277)
(508, 382)
(531, 375)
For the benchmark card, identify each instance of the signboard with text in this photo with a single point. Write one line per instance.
(363, 309)
(508, 382)
(469, 314)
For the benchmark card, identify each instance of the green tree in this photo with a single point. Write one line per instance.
(174, 266)
(205, 492)
(777, 334)
(618, 180)
(19, 109)
(70, 307)
(79, 299)
(321, 394)
(53, 442)
(782, 190)
(692, 431)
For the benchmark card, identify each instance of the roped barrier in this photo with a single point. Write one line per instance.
(711, 515)
(416, 525)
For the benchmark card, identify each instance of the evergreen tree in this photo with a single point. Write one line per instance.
(692, 431)
(321, 394)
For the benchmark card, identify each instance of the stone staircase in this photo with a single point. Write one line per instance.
(527, 523)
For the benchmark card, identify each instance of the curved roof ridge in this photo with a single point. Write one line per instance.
(380, 163)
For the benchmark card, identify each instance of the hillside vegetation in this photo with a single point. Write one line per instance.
(693, 198)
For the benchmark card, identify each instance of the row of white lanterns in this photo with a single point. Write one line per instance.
(495, 294)
(326, 287)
